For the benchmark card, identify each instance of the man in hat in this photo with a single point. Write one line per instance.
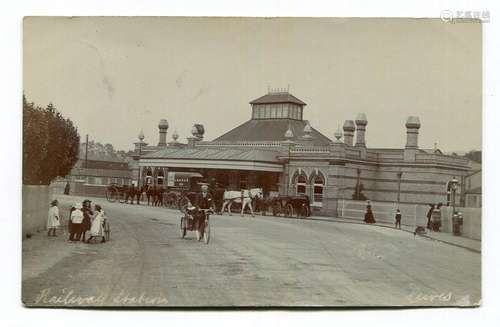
(203, 200)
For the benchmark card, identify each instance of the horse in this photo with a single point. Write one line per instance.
(150, 193)
(244, 197)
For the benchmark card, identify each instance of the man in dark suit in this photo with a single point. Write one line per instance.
(203, 200)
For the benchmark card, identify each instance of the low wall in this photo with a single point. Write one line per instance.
(416, 215)
(88, 190)
(36, 203)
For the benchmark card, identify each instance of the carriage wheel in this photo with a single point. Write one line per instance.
(182, 204)
(206, 232)
(289, 210)
(305, 211)
(277, 209)
(183, 227)
(173, 201)
(110, 196)
(122, 198)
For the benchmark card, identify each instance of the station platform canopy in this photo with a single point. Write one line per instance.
(214, 158)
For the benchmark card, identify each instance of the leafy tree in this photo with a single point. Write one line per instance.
(50, 144)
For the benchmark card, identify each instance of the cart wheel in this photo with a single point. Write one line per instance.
(289, 210)
(183, 227)
(183, 203)
(307, 211)
(122, 198)
(110, 196)
(276, 208)
(303, 212)
(206, 233)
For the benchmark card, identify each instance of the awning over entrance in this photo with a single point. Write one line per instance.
(214, 158)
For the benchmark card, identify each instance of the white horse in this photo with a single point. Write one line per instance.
(244, 197)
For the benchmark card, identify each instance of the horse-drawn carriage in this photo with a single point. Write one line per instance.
(288, 206)
(116, 192)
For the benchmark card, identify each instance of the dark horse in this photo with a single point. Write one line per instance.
(158, 196)
(149, 189)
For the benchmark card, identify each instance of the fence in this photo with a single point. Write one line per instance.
(384, 212)
(414, 215)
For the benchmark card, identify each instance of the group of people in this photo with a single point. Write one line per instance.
(434, 217)
(370, 218)
(82, 219)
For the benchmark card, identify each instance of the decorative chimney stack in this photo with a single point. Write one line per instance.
(349, 129)
(411, 148)
(163, 127)
(412, 127)
(307, 139)
(361, 123)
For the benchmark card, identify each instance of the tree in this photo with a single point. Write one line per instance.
(50, 144)
(474, 155)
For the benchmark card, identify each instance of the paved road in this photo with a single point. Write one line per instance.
(260, 261)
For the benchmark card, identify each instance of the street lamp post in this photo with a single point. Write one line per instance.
(141, 139)
(289, 145)
(454, 187)
(456, 218)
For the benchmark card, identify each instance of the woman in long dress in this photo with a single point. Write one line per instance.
(369, 218)
(97, 227)
(53, 219)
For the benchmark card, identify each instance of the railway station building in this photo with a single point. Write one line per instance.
(278, 150)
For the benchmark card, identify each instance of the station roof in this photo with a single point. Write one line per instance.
(271, 130)
(278, 97)
(215, 158)
(205, 153)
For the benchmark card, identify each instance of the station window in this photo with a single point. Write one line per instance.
(285, 111)
(301, 185)
(280, 110)
(160, 178)
(318, 186)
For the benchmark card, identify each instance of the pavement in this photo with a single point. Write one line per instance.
(261, 261)
(460, 241)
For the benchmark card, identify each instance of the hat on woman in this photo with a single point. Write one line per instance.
(53, 203)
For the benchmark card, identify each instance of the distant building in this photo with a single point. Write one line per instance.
(94, 172)
(278, 150)
(473, 186)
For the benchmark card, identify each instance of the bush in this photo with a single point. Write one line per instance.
(50, 144)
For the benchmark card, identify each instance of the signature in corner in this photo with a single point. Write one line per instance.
(420, 297)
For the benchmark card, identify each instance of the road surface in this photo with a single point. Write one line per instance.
(261, 261)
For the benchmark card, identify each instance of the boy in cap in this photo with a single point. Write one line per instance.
(398, 219)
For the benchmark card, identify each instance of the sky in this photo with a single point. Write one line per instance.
(116, 76)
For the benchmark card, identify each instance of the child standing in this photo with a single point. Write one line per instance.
(398, 219)
(53, 219)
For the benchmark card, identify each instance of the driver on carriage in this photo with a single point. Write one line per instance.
(204, 199)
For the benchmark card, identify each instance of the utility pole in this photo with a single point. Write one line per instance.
(86, 149)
